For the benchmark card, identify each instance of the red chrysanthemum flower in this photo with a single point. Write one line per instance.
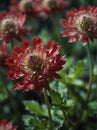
(81, 24)
(11, 26)
(3, 54)
(27, 7)
(34, 65)
(4, 125)
(50, 7)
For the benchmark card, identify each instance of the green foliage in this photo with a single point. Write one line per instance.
(39, 121)
(35, 108)
(38, 124)
(26, 119)
(78, 70)
(92, 108)
(33, 123)
(60, 102)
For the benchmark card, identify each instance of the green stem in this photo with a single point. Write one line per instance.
(49, 112)
(89, 86)
(65, 119)
(12, 44)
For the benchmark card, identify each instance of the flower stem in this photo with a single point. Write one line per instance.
(12, 44)
(49, 112)
(89, 86)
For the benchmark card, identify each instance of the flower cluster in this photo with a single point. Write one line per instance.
(38, 8)
(81, 24)
(34, 65)
(4, 125)
(27, 7)
(52, 6)
(11, 26)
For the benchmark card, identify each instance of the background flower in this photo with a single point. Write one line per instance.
(81, 24)
(4, 125)
(11, 26)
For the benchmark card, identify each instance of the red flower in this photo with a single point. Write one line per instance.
(34, 65)
(49, 7)
(27, 7)
(11, 26)
(81, 24)
(4, 125)
(3, 54)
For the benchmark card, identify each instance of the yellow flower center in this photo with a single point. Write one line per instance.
(9, 25)
(25, 5)
(85, 23)
(49, 3)
(33, 63)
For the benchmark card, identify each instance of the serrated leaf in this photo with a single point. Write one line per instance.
(65, 78)
(35, 108)
(38, 124)
(26, 119)
(58, 124)
(78, 70)
(56, 97)
(69, 102)
(92, 107)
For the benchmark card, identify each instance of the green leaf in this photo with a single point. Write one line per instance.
(26, 119)
(69, 102)
(56, 97)
(65, 78)
(60, 101)
(35, 108)
(78, 70)
(38, 124)
(92, 108)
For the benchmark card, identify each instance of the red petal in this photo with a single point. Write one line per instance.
(75, 38)
(82, 8)
(65, 23)
(25, 44)
(68, 33)
(37, 43)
